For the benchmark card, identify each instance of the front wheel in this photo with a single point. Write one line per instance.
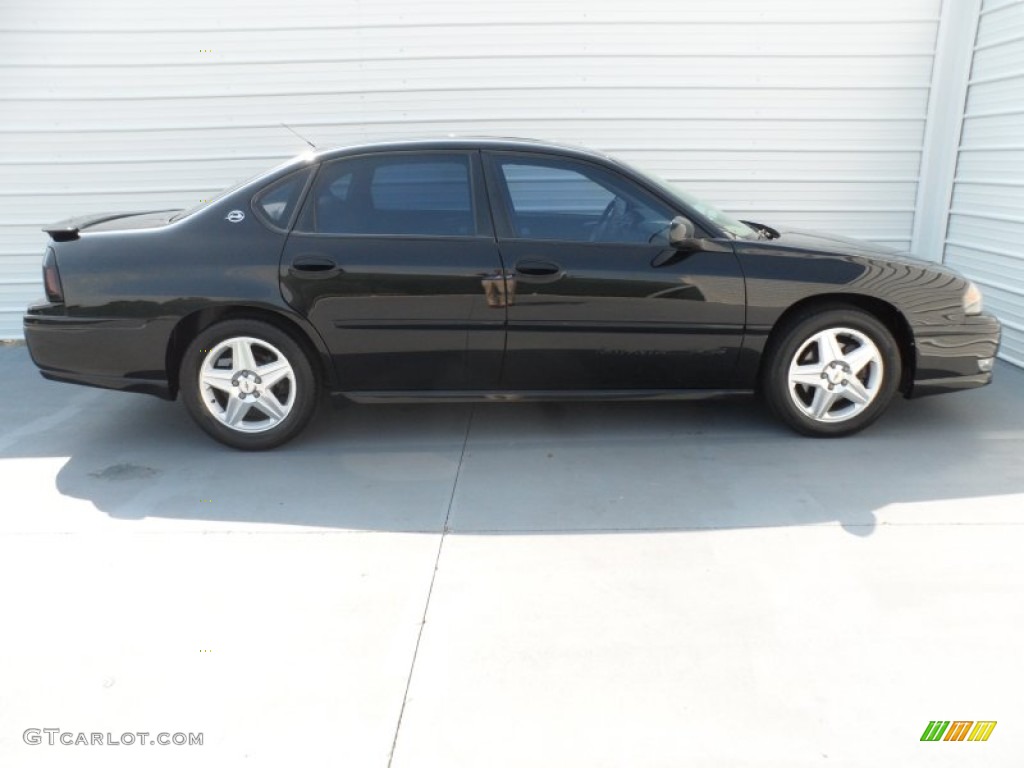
(831, 373)
(248, 384)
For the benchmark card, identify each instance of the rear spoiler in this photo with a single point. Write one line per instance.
(68, 229)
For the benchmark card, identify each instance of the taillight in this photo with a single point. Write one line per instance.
(51, 278)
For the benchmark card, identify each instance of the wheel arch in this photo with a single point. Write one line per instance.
(883, 311)
(191, 325)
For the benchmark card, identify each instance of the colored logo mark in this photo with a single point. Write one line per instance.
(958, 730)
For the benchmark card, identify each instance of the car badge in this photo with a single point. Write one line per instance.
(235, 216)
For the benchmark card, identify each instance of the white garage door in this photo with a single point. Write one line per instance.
(985, 238)
(800, 112)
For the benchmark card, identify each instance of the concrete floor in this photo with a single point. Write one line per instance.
(511, 585)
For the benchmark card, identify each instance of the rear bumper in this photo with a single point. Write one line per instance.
(126, 354)
(950, 358)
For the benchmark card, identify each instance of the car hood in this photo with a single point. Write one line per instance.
(69, 229)
(828, 243)
(814, 241)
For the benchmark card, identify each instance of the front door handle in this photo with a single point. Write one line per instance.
(535, 271)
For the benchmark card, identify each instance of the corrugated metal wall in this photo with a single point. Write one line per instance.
(804, 112)
(985, 238)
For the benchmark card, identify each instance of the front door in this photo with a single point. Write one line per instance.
(594, 300)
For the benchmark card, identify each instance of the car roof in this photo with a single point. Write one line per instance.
(454, 142)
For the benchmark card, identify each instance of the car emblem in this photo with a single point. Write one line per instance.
(235, 216)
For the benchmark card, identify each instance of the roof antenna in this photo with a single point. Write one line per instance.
(299, 135)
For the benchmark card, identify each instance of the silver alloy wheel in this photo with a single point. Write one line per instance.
(247, 384)
(835, 375)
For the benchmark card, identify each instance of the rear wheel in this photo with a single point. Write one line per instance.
(833, 372)
(248, 384)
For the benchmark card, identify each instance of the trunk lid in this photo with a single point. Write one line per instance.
(69, 229)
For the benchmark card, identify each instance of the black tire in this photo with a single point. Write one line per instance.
(843, 329)
(293, 397)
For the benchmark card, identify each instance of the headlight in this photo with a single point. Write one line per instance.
(972, 300)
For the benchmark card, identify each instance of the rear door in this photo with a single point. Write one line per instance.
(392, 259)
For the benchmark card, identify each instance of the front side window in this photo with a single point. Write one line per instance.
(541, 189)
(400, 194)
(554, 199)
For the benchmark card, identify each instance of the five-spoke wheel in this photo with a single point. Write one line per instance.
(831, 372)
(248, 383)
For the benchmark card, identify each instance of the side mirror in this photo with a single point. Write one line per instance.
(680, 234)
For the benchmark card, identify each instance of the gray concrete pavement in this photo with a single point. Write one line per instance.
(602, 585)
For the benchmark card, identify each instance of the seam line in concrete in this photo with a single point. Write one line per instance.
(430, 589)
(752, 527)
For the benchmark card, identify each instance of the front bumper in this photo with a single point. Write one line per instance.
(119, 353)
(950, 358)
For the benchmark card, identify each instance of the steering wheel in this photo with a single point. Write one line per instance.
(614, 210)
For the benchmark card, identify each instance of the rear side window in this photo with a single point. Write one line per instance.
(421, 186)
(399, 194)
(277, 202)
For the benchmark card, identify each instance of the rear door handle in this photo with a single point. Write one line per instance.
(535, 271)
(314, 266)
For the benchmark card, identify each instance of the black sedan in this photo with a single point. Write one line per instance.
(462, 270)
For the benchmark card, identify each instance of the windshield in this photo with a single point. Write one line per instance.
(716, 215)
(733, 226)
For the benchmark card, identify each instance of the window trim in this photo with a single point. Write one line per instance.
(477, 198)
